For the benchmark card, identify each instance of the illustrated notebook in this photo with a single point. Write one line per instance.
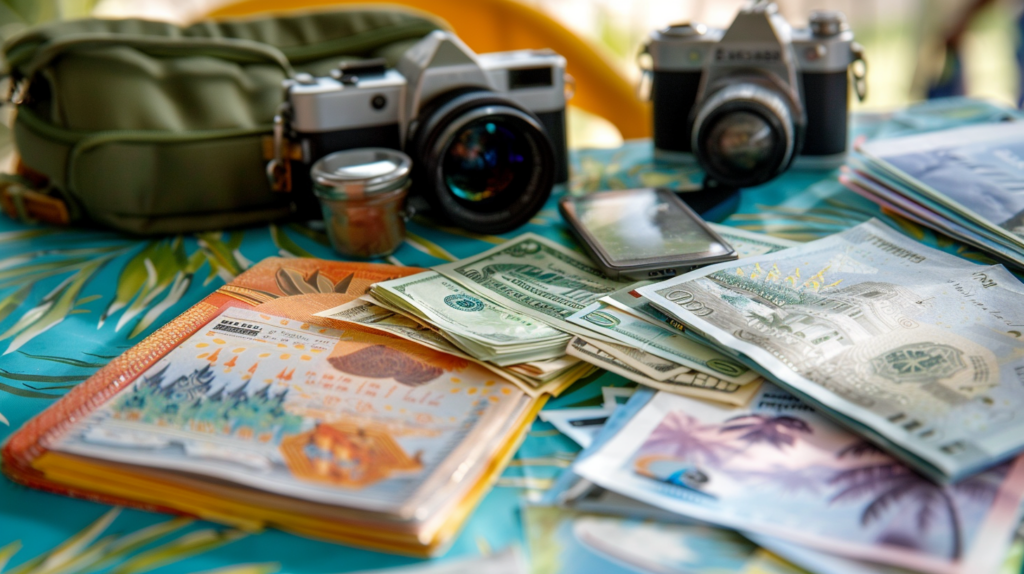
(249, 410)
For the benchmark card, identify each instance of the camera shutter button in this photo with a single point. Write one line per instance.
(685, 30)
(827, 23)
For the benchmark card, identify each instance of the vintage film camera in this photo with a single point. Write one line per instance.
(748, 101)
(486, 133)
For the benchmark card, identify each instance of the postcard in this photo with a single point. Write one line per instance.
(567, 542)
(777, 468)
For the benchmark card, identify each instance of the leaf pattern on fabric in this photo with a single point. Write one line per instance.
(86, 551)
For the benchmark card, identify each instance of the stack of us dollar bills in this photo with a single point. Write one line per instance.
(532, 311)
(540, 368)
(886, 437)
(964, 182)
(623, 334)
(484, 309)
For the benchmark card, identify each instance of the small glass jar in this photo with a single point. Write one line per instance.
(361, 192)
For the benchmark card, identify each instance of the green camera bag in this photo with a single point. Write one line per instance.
(152, 128)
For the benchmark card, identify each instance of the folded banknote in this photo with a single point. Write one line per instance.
(474, 324)
(916, 350)
(536, 278)
(633, 364)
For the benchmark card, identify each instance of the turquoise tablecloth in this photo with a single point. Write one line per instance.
(71, 299)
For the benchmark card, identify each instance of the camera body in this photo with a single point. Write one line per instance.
(748, 101)
(486, 132)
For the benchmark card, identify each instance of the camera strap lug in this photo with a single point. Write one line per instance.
(570, 86)
(859, 73)
(646, 84)
(281, 153)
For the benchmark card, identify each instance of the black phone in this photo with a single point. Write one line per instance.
(643, 233)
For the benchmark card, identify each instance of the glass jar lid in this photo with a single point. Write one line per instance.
(360, 172)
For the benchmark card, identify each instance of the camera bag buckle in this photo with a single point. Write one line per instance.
(17, 91)
(645, 86)
(22, 201)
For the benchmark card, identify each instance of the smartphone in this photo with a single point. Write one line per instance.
(643, 233)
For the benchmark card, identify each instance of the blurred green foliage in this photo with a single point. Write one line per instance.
(16, 15)
(19, 15)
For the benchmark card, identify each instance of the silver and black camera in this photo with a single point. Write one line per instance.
(486, 133)
(748, 101)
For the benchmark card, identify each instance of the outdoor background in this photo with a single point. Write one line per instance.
(904, 39)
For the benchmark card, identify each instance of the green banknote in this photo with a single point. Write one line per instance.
(692, 383)
(379, 318)
(630, 330)
(915, 349)
(475, 324)
(536, 277)
(649, 365)
(750, 244)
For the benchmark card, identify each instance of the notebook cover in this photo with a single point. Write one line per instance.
(292, 288)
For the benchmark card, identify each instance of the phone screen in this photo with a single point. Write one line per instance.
(643, 224)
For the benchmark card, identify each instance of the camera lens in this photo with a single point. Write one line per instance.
(482, 162)
(744, 135)
(485, 159)
(742, 141)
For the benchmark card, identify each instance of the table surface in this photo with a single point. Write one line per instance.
(56, 285)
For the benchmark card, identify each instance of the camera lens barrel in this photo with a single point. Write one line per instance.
(482, 162)
(745, 134)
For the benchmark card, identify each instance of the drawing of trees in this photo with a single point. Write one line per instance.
(778, 431)
(187, 402)
(685, 437)
(888, 483)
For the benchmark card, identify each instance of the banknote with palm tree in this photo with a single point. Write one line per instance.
(779, 469)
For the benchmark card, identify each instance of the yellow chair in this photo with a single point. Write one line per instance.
(498, 25)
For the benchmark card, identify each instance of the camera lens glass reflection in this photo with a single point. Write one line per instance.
(743, 141)
(486, 158)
